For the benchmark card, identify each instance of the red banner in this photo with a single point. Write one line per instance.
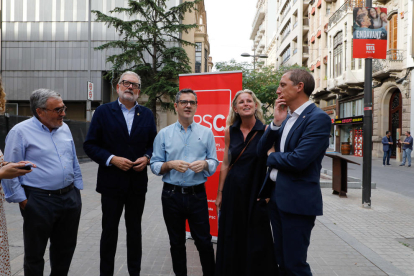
(215, 91)
(370, 33)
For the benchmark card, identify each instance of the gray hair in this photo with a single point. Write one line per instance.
(185, 91)
(129, 73)
(39, 97)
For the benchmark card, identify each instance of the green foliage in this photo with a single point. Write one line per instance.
(263, 82)
(150, 46)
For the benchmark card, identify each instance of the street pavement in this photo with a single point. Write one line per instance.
(347, 240)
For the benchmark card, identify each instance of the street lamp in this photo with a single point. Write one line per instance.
(254, 58)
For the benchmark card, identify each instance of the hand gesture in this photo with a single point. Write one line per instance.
(280, 112)
(180, 166)
(198, 166)
(11, 170)
(140, 164)
(122, 163)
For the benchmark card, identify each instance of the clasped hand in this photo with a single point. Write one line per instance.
(126, 164)
(182, 166)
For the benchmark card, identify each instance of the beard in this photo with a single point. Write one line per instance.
(129, 97)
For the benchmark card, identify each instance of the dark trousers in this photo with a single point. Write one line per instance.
(112, 207)
(54, 217)
(387, 155)
(177, 208)
(291, 234)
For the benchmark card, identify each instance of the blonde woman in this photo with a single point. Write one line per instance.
(7, 171)
(245, 245)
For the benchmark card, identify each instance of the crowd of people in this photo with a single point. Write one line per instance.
(268, 195)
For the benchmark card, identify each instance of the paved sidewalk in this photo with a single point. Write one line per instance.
(347, 240)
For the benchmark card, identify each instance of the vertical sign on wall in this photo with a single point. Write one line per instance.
(370, 33)
(215, 91)
(90, 91)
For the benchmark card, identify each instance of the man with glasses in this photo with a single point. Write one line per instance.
(120, 140)
(185, 155)
(49, 196)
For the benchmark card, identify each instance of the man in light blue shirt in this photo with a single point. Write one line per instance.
(185, 155)
(49, 196)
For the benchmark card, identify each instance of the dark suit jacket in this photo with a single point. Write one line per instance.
(297, 188)
(385, 145)
(107, 135)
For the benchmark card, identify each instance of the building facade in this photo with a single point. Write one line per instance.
(49, 48)
(280, 31)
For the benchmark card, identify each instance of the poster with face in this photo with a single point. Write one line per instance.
(370, 33)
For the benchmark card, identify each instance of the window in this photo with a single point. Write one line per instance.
(328, 9)
(352, 108)
(286, 54)
(392, 35)
(198, 53)
(352, 59)
(337, 55)
(205, 60)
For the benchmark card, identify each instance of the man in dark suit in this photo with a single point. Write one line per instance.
(387, 147)
(295, 143)
(120, 140)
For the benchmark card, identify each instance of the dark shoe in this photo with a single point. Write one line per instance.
(409, 165)
(388, 164)
(402, 164)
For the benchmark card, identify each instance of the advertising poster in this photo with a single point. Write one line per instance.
(370, 33)
(215, 91)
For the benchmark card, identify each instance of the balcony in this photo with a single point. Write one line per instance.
(305, 53)
(305, 25)
(258, 19)
(285, 34)
(383, 68)
(348, 6)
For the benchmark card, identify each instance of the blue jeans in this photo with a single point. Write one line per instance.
(177, 208)
(407, 154)
(387, 155)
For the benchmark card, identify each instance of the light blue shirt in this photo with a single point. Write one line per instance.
(53, 153)
(129, 119)
(174, 143)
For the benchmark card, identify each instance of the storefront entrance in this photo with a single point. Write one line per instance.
(395, 119)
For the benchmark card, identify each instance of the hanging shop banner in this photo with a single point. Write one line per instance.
(350, 120)
(370, 33)
(215, 91)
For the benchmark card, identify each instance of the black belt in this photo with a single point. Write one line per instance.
(185, 190)
(63, 191)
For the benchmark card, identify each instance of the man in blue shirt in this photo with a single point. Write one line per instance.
(407, 148)
(387, 147)
(120, 140)
(185, 155)
(49, 196)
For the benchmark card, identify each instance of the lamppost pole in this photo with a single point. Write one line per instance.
(254, 56)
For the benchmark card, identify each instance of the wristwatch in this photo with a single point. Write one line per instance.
(148, 157)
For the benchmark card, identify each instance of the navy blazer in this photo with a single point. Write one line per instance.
(108, 134)
(385, 145)
(297, 189)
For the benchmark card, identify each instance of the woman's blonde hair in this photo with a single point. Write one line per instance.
(2, 98)
(233, 115)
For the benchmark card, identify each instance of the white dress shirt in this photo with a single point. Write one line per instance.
(291, 121)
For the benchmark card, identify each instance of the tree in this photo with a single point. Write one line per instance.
(263, 82)
(151, 47)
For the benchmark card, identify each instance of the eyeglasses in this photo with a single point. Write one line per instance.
(58, 110)
(185, 103)
(128, 83)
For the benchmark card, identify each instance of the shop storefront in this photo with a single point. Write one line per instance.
(350, 130)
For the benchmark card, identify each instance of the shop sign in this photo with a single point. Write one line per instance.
(351, 120)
